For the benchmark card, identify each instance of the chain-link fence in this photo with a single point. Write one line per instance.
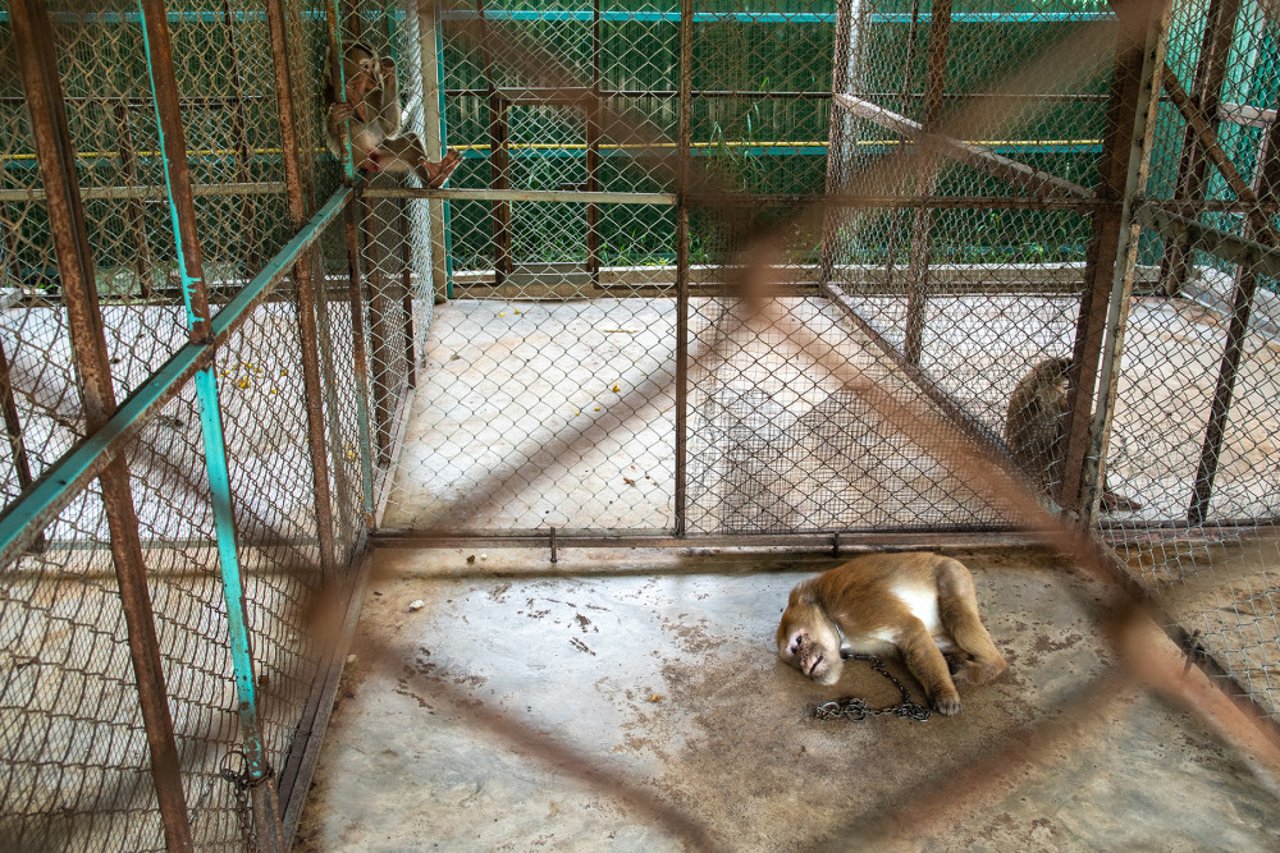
(182, 481)
(684, 240)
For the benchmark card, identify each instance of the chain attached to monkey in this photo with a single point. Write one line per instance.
(854, 709)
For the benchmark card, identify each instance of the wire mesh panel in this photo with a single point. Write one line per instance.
(224, 477)
(1194, 423)
(546, 396)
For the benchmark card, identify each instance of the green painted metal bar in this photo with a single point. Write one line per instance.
(50, 493)
(618, 16)
(259, 778)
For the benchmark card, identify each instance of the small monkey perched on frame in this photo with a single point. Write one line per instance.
(1035, 428)
(372, 104)
(921, 605)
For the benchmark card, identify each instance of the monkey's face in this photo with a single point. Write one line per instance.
(807, 642)
(363, 72)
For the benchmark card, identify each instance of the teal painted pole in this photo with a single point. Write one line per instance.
(156, 44)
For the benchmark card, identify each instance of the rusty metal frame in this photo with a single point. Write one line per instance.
(34, 45)
(304, 279)
(500, 174)
(685, 133)
(1193, 172)
(1111, 259)
(922, 219)
(1266, 186)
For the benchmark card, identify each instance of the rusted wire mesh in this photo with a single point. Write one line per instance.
(76, 769)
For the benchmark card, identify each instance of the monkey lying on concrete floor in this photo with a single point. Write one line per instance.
(921, 605)
(1035, 428)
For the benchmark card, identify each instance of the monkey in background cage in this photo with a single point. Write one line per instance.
(371, 103)
(1036, 429)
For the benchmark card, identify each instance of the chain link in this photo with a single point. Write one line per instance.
(854, 709)
(241, 780)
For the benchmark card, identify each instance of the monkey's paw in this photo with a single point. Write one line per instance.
(388, 65)
(341, 111)
(947, 705)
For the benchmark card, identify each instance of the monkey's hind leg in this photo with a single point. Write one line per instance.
(958, 610)
(923, 657)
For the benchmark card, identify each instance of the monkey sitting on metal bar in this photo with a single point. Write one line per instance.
(371, 103)
(1036, 427)
(922, 606)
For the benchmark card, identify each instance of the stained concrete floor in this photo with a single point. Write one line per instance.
(633, 702)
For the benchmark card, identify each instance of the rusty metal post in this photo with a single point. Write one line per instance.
(685, 107)
(134, 215)
(13, 424)
(304, 281)
(1193, 168)
(404, 223)
(499, 173)
(33, 43)
(844, 54)
(355, 286)
(926, 162)
(240, 133)
(1267, 187)
(1112, 254)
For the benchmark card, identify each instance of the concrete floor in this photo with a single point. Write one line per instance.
(633, 702)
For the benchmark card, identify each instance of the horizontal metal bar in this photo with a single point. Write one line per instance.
(544, 93)
(892, 202)
(778, 147)
(1248, 253)
(665, 199)
(669, 199)
(393, 538)
(673, 17)
(1212, 205)
(609, 16)
(976, 154)
(62, 481)
(151, 191)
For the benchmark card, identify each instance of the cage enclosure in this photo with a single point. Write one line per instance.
(692, 250)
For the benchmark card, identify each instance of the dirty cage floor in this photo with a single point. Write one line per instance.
(636, 691)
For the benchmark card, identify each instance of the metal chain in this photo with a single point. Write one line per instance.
(854, 709)
(241, 780)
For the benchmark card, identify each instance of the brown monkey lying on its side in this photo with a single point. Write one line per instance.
(921, 605)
